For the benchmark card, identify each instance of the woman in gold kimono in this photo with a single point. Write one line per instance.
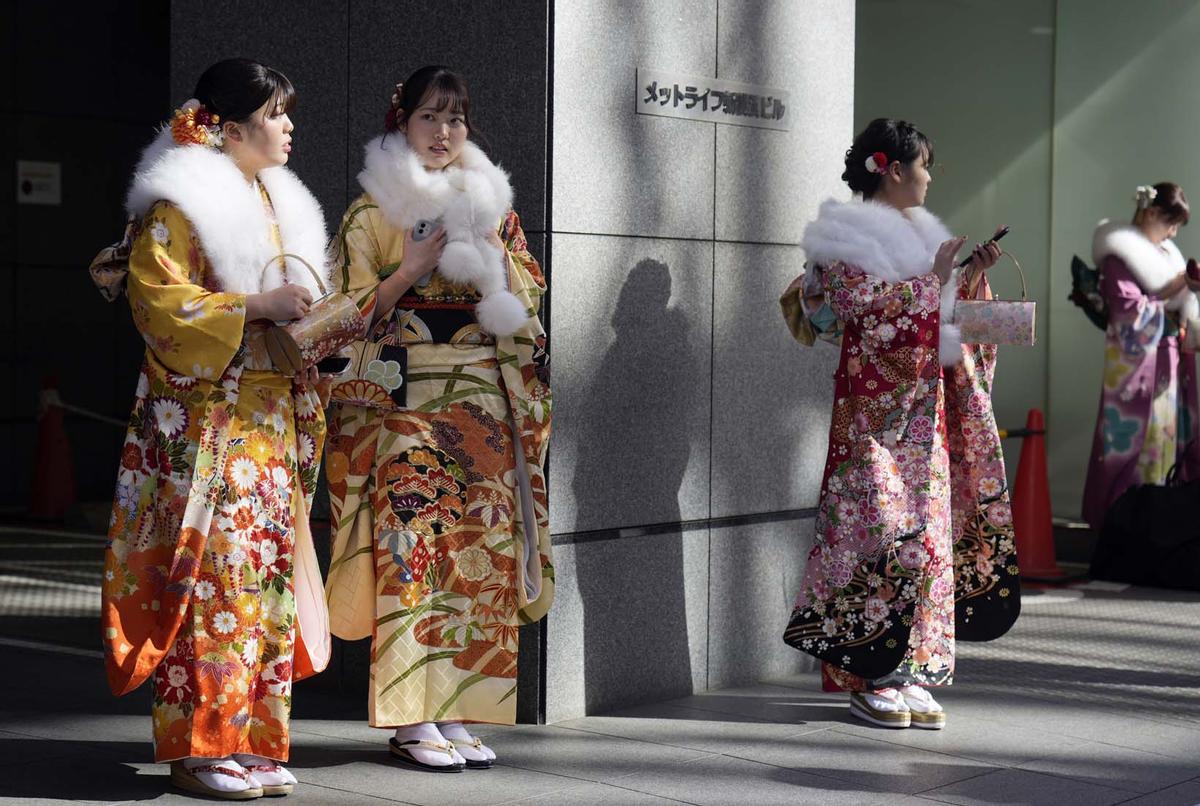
(437, 452)
(210, 574)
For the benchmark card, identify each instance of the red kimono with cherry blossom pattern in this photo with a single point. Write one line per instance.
(913, 535)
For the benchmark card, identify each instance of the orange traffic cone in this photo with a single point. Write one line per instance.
(1031, 506)
(53, 490)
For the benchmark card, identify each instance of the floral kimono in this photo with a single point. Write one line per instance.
(437, 456)
(1148, 401)
(211, 585)
(913, 534)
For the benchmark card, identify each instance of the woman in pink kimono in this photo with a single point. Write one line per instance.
(913, 535)
(1148, 401)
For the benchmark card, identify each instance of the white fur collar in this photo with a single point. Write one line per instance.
(469, 198)
(1152, 267)
(875, 237)
(229, 217)
(891, 245)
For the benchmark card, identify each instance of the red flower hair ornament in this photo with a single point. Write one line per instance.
(877, 163)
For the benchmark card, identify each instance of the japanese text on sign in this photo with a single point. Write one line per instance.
(711, 99)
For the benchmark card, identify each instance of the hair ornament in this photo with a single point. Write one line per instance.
(1145, 196)
(193, 124)
(391, 121)
(877, 163)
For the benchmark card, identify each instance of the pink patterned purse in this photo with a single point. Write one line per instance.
(997, 321)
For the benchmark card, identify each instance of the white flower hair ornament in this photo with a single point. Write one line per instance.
(877, 163)
(1145, 196)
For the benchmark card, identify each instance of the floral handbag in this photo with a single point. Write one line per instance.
(332, 322)
(997, 321)
(375, 378)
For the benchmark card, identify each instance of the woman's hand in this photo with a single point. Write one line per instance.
(421, 257)
(946, 258)
(282, 304)
(308, 377)
(1192, 272)
(984, 256)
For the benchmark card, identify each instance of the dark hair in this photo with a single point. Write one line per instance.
(899, 140)
(433, 81)
(1172, 204)
(236, 88)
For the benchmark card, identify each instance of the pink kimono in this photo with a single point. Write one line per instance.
(1148, 400)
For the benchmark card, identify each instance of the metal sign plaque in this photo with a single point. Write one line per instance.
(39, 182)
(714, 100)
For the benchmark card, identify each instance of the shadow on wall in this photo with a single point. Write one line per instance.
(632, 589)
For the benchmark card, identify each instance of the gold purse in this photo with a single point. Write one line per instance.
(331, 323)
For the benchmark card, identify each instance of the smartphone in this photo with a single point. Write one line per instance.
(420, 232)
(333, 365)
(999, 234)
(424, 229)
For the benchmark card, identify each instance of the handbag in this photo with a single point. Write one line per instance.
(376, 377)
(807, 314)
(332, 322)
(997, 321)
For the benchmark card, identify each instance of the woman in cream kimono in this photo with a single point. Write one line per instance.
(211, 586)
(914, 541)
(437, 453)
(1147, 421)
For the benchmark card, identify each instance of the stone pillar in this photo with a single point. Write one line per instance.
(689, 429)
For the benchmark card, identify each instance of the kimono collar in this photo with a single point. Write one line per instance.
(875, 237)
(1152, 267)
(469, 198)
(228, 215)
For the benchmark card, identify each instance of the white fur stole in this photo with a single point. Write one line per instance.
(470, 199)
(229, 217)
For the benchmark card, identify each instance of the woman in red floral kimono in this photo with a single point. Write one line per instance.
(914, 537)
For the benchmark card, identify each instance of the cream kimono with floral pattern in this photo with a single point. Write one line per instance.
(442, 540)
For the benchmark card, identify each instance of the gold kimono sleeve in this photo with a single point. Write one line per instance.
(191, 330)
(358, 256)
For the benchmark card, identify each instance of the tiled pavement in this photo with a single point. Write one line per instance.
(1094, 698)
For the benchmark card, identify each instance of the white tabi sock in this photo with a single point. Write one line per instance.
(265, 771)
(469, 746)
(885, 699)
(919, 700)
(427, 732)
(215, 780)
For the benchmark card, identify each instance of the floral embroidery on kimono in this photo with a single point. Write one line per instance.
(210, 570)
(441, 546)
(1148, 402)
(913, 512)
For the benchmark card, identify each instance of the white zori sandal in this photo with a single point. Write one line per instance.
(221, 778)
(926, 712)
(883, 707)
(268, 774)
